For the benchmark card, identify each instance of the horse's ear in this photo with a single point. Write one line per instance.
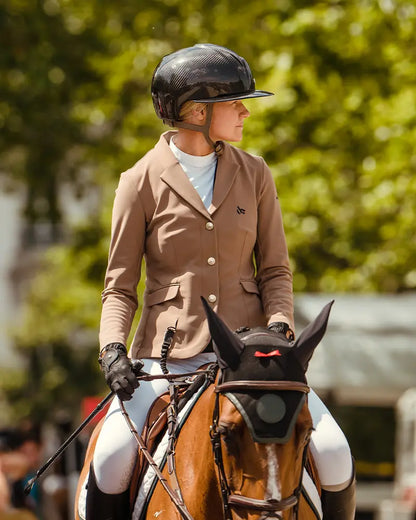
(310, 337)
(226, 345)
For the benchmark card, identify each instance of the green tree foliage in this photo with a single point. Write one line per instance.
(44, 68)
(339, 133)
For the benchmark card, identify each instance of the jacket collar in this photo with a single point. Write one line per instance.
(174, 176)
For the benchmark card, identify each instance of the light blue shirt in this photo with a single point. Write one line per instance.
(200, 170)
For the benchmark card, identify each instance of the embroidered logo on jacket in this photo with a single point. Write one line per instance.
(241, 211)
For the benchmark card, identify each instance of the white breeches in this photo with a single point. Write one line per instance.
(329, 447)
(116, 450)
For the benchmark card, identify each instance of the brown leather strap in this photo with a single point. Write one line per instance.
(262, 505)
(174, 496)
(236, 386)
(170, 377)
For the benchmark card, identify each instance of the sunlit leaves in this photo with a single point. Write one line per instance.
(339, 136)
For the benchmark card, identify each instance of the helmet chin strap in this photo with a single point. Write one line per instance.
(217, 146)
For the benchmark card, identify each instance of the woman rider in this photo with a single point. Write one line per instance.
(206, 218)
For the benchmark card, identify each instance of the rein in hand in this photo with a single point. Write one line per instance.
(141, 376)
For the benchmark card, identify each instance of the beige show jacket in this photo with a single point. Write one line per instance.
(233, 253)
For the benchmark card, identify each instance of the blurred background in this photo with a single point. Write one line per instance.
(339, 136)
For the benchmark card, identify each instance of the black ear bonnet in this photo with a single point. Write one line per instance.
(269, 415)
(262, 355)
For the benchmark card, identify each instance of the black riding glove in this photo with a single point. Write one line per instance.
(118, 370)
(282, 329)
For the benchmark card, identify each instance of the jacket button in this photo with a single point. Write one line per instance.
(211, 260)
(212, 298)
(209, 226)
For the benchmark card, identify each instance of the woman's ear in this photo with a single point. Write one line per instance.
(199, 113)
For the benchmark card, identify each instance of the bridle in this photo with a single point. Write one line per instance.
(230, 500)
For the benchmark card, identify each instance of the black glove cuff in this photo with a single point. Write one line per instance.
(283, 328)
(111, 353)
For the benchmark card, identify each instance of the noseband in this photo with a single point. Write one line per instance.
(229, 500)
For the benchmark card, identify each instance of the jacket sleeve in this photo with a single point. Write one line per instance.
(274, 276)
(119, 297)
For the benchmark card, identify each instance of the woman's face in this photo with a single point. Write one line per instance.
(227, 121)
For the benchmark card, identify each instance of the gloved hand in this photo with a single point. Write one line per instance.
(118, 370)
(282, 329)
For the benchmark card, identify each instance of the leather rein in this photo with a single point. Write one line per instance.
(229, 500)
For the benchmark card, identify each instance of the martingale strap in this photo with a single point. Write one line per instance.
(176, 499)
(202, 381)
(218, 459)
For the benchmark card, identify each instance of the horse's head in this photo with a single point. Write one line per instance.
(262, 421)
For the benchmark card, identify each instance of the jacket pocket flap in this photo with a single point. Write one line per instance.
(162, 295)
(250, 286)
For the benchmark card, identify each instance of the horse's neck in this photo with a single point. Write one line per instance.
(195, 435)
(194, 457)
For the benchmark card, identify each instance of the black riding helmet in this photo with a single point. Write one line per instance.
(204, 73)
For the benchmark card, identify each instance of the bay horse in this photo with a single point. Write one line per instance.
(242, 454)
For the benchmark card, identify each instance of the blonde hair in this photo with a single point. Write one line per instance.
(188, 107)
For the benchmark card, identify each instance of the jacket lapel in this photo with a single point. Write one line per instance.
(227, 170)
(176, 178)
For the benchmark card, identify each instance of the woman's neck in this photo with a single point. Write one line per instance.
(192, 142)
